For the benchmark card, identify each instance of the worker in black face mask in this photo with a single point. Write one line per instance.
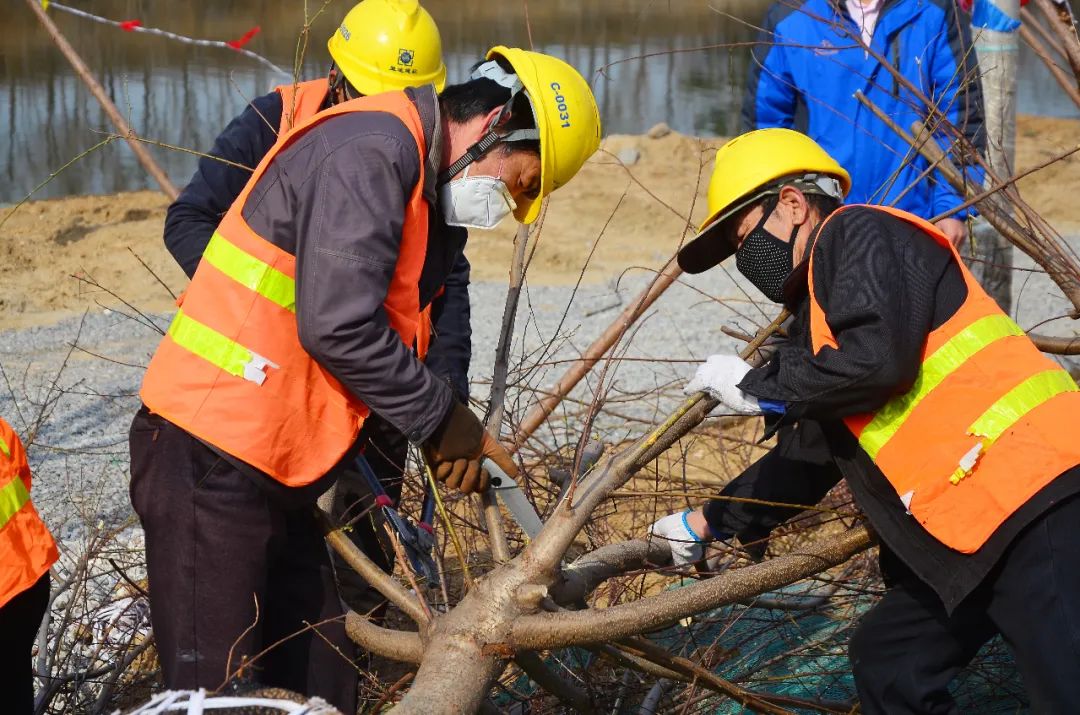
(903, 377)
(754, 213)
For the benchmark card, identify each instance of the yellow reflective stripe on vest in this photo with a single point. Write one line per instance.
(4, 447)
(13, 496)
(1020, 400)
(215, 348)
(250, 272)
(945, 360)
(1010, 409)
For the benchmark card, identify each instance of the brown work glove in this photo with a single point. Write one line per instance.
(457, 446)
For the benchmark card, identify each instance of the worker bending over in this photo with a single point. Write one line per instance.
(380, 46)
(900, 375)
(27, 551)
(298, 324)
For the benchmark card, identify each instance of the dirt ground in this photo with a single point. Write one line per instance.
(635, 215)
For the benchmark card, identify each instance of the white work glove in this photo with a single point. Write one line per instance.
(686, 546)
(719, 376)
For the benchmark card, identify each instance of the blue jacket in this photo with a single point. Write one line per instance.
(196, 213)
(809, 62)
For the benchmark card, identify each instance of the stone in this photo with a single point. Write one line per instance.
(659, 131)
(628, 155)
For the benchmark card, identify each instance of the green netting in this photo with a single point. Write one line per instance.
(792, 643)
(802, 653)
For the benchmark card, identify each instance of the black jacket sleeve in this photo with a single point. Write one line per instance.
(451, 347)
(349, 216)
(196, 213)
(793, 475)
(876, 279)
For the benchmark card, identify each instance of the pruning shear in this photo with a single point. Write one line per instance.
(418, 540)
(507, 488)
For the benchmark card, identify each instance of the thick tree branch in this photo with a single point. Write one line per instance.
(381, 581)
(403, 646)
(584, 575)
(469, 646)
(568, 693)
(558, 630)
(1056, 346)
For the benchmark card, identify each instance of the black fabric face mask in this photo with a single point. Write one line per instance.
(766, 261)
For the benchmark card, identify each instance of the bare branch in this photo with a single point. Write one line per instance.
(742, 696)
(84, 73)
(500, 549)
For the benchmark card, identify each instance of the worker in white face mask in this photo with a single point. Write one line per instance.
(299, 324)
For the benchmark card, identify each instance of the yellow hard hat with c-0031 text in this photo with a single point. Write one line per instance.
(386, 45)
(567, 118)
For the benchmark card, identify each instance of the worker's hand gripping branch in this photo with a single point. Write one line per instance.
(719, 376)
(457, 447)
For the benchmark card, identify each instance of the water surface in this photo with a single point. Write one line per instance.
(678, 61)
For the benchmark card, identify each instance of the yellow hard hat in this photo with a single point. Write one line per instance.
(750, 167)
(384, 45)
(567, 118)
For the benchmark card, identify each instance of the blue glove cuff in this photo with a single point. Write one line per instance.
(773, 406)
(686, 525)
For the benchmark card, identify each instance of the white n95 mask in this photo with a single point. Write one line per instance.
(475, 201)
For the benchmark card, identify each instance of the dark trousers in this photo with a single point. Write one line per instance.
(907, 649)
(239, 579)
(20, 619)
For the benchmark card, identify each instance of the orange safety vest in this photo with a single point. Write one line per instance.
(301, 101)
(988, 422)
(231, 370)
(27, 549)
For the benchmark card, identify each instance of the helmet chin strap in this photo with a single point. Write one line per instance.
(492, 71)
(473, 153)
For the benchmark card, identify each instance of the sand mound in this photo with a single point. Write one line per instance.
(635, 196)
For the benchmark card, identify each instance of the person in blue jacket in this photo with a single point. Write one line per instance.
(363, 48)
(812, 56)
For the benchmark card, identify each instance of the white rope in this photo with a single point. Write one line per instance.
(197, 702)
(166, 34)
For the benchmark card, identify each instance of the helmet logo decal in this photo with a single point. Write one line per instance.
(344, 32)
(560, 104)
(405, 59)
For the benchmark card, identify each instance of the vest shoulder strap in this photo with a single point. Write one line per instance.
(300, 100)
